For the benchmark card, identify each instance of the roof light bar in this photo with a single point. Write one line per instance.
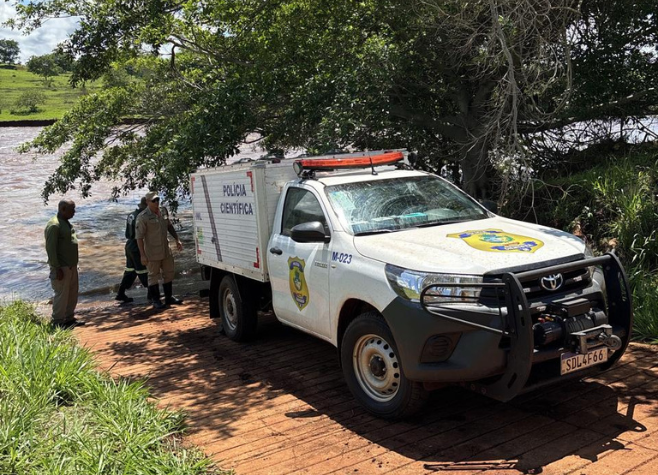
(366, 161)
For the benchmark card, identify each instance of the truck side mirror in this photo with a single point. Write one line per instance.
(312, 231)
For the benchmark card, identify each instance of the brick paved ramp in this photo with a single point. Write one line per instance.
(279, 405)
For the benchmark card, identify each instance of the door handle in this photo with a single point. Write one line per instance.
(276, 250)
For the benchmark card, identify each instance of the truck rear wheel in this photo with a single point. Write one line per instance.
(239, 319)
(373, 371)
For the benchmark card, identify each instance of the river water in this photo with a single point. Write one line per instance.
(98, 221)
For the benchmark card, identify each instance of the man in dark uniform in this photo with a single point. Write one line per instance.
(62, 250)
(151, 233)
(134, 267)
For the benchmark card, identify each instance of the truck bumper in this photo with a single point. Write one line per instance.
(495, 349)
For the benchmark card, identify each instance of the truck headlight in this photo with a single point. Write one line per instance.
(408, 284)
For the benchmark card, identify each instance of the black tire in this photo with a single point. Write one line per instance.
(213, 298)
(239, 318)
(373, 371)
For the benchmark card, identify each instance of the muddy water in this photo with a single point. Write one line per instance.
(99, 224)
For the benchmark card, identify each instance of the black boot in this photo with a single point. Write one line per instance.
(154, 291)
(121, 295)
(169, 298)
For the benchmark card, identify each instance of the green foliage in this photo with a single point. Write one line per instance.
(453, 80)
(645, 301)
(28, 102)
(45, 66)
(9, 51)
(615, 199)
(616, 70)
(59, 416)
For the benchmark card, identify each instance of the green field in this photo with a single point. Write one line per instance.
(60, 97)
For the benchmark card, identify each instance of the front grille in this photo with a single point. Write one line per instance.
(534, 292)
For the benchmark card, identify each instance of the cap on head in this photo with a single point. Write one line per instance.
(151, 196)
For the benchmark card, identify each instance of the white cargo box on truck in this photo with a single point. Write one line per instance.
(234, 210)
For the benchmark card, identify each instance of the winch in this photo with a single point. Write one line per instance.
(575, 324)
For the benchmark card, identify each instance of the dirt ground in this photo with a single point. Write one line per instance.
(279, 405)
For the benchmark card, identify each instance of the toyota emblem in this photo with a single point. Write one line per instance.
(552, 282)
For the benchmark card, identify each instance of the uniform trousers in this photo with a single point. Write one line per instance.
(164, 266)
(134, 268)
(66, 294)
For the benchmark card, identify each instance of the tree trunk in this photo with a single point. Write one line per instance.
(476, 168)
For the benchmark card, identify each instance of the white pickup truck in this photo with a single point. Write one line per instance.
(415, 283)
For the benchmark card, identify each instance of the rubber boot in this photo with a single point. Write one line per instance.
(154, 291)
(169, 298)
(121, 295)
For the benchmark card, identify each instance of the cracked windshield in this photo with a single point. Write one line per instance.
(391, 205)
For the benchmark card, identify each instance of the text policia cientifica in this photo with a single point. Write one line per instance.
(235, 189)
(236, 208)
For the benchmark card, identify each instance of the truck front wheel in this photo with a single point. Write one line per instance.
(373, 371)
(239, 319)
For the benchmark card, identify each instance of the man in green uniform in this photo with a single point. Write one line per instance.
(151, 233)
(134, 267)
(62, 250)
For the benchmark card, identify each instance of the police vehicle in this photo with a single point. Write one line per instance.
(416, 283)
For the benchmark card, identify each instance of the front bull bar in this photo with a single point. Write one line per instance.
(517, 322)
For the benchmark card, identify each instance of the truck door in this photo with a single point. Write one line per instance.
(299, 272)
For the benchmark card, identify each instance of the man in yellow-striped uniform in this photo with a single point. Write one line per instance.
(134, 267)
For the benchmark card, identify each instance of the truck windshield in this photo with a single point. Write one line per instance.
(371, 207)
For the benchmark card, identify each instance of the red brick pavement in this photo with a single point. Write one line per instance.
(279, 405)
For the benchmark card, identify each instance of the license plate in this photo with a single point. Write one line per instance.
(570, 362)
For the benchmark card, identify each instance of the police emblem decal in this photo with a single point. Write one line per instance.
(297, 281)
(497, 240)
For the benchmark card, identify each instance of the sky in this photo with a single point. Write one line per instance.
(41, 41)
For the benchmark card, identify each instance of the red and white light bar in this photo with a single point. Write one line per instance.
(366, 161)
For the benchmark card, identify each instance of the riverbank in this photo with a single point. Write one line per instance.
(17, 84)
(187, 286)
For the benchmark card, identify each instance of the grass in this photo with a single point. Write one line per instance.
(59, 416)
(60, 97)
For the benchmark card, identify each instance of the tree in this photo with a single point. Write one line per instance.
(461, 82)
(28, 102)
(9, 51)
(45, 66)
(63, 61)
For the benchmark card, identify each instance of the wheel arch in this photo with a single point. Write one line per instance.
(258, 292)
(351, 309)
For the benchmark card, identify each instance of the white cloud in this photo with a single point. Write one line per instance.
(40, 41)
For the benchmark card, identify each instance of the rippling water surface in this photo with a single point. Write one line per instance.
(99, 224)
